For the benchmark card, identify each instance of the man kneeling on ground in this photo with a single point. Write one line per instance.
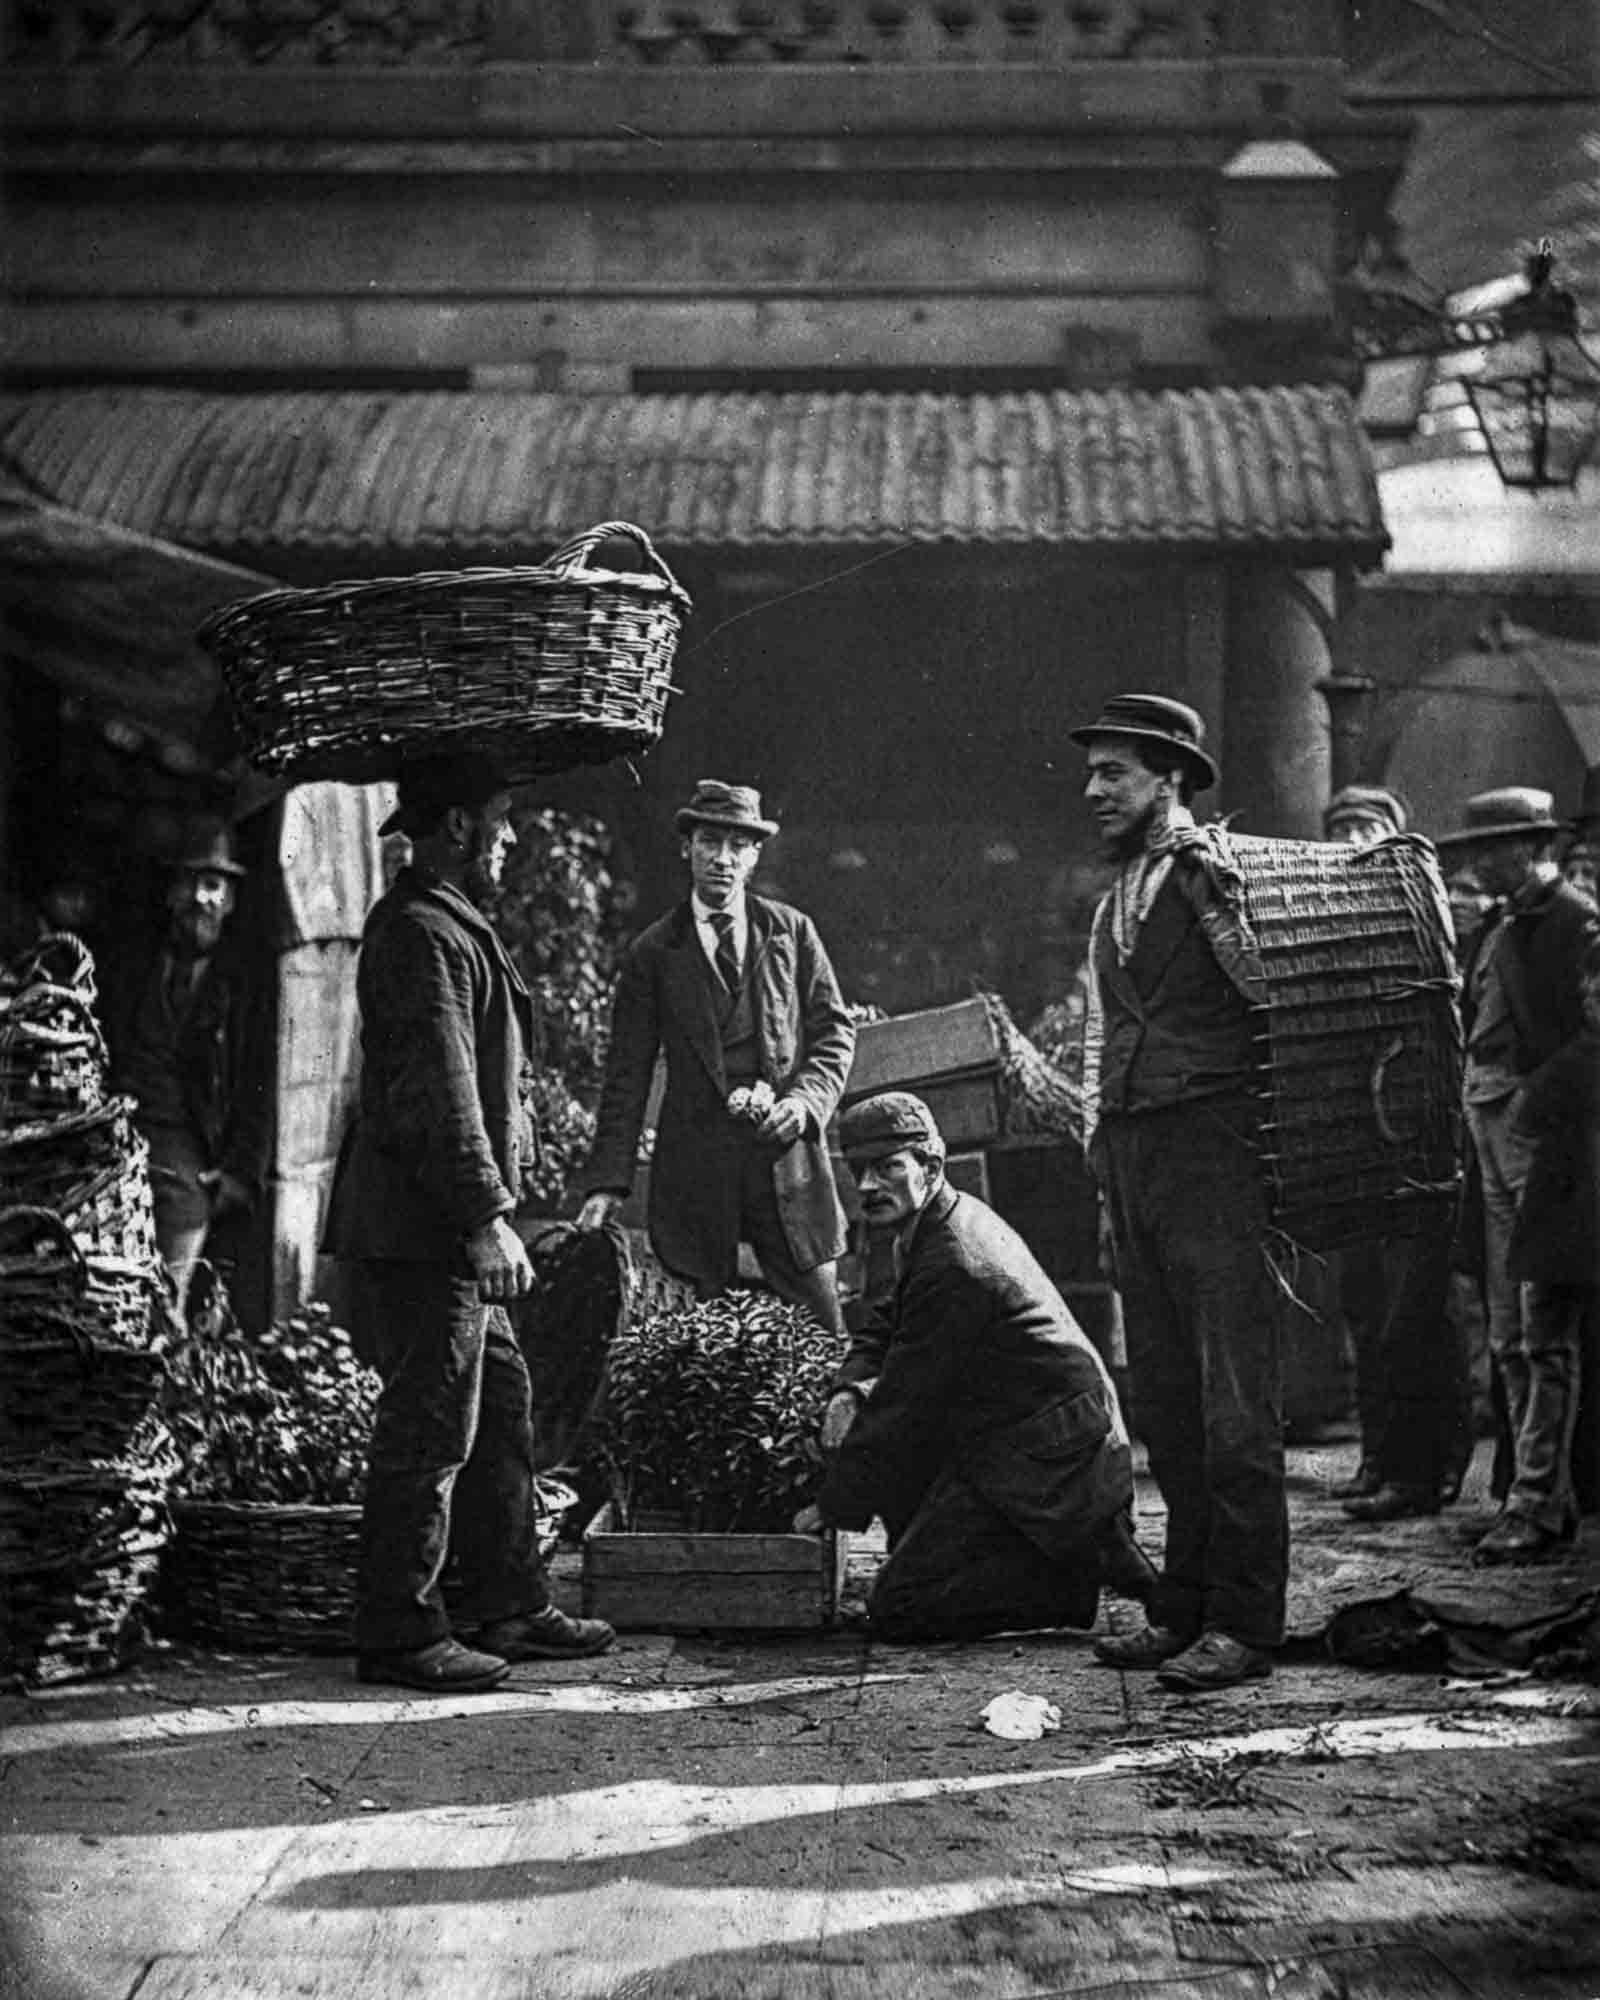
(978, 1422)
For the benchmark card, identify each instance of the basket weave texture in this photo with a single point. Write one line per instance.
(1359, 993)
(264, 1574)
(546, 666)
(86, 1460)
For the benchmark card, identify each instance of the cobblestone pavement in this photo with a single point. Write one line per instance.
(819, 1818)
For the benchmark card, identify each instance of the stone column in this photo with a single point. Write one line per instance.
(1279, 762)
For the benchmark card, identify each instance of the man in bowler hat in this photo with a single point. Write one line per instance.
(1172, 1091)
(1523, 1014)
(188, 1033)
(423, 1203)
(736, 991)
(975, 1419)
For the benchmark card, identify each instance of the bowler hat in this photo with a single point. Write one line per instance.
(885, 1124)
(1511, 812)
(429, 786)
(1155, 718)
(1369, 802)
(206, 847)
(738, 807)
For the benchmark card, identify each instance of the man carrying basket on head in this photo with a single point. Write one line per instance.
(422, 1205)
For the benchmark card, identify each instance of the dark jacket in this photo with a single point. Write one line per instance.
(1174, 1026)
(224, 1058)
(982, 1369)
(1555, 1239)
(665, 1003)
(1541, 963)
(444, 1135)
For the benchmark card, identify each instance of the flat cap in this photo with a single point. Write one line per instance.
(1366, 802)
(887, 1123)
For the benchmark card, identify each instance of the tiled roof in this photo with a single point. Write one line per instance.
(254, 475)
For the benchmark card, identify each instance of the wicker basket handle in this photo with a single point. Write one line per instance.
(1380, 1076)
(43, 999)
(24, 1220)
(572, 558)
(59, 958)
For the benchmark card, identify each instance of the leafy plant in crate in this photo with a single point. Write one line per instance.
(712, 1411)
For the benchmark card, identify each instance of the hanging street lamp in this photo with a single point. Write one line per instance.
(1519, 355)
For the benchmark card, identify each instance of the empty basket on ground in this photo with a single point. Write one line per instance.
(545, 666)
(1359, 988)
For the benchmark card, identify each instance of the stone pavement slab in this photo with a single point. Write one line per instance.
(814, 1818)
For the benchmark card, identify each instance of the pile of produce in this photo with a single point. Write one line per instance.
(712, 1413)
(283, 1416)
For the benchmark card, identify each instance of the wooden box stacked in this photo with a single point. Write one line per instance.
(949, 1056)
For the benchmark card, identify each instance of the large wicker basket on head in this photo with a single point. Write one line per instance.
(1359, 995)
(546, 666)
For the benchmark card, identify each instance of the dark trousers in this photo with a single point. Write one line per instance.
(816, 1291)
(1412, 1394)
(1189, 1222)
(960, 1568)
(450, 1481)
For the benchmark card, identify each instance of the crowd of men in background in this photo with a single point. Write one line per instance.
(1520, 1257)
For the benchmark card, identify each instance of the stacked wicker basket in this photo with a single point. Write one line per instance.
(85, 1457)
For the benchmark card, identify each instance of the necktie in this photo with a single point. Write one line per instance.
(727, 950)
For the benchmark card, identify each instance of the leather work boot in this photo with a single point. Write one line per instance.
(1362, 1483)
(444, 1667)
(1213, 1662)
(546, 1635)
(1147, 1647)
(1516, 1539)
(1394, 1503)
(1124, 1566)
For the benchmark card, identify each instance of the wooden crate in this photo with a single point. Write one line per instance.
(948, 1056)
(669, 1580)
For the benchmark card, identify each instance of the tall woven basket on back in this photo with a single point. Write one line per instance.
(546, 666)
(1359, 995)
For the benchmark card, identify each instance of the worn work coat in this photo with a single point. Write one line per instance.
(444, 1135)
(224, 1059)
(806, 1041)
(981, 1369)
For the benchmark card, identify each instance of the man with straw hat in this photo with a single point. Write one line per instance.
(1172, 1093)
(736, 992)
(1522, 1012)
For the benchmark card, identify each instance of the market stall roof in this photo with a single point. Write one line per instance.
(110, 615)
(1281, 469)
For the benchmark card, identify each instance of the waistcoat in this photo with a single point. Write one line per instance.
(1175, 1027)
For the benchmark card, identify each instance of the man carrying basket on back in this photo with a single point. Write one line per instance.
(1172, 1095)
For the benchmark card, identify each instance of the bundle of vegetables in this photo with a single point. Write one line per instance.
(712, 1413)
(1036, 1096)
(282, 1416)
